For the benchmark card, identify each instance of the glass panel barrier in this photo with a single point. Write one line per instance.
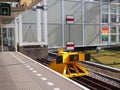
(0, 41)
(7, 39)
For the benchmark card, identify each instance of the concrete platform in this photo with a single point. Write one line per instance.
(18, 72)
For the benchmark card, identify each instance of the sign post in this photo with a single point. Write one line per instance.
(69, 20)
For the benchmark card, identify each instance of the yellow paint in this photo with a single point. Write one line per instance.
(81, 57)
(57, 67)
(67, 54)
(26, 2)
(65, 67)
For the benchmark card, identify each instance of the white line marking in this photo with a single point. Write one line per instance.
(17, 58)
(44, 79)
(50, 83)
(38, 74)
(34, 71)
(26, 64)
(56, 89)
(30, 68)
(81, 86)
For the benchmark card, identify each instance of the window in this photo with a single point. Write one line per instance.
(105, 0)
(105, 8)
(113, 18)
(113, 33)
(119, 34)
(118, 18)
(119, 8)
(119, 30)
(113, 8)
(105, 18)
(119, 38)
(113, 30)
(113, 38)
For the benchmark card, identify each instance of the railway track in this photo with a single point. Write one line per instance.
(44, 61)
(87, 81)
(94, 84)
(115, 73)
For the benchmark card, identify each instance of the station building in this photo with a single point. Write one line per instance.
(94, 23)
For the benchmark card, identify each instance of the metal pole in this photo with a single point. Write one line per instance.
(69, 32)
(63, 34)
(16, 33)
(109, 20)
(38, 13)
(117, 27)
(83, 23)
(1, 39)
(45, 22)
(20, 31)
(101, 23)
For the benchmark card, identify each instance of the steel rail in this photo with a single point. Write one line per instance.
(94, 84)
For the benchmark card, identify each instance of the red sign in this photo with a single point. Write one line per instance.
(69, 19)
(70, 45)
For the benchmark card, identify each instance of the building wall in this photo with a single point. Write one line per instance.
(29, 26)
(54, 23)
(90, 25)
(90, 17)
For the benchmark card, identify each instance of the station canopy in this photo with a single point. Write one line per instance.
(17, 6)
(27, 4)
(22, 4)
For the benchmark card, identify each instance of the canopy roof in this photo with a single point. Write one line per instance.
(22, 4)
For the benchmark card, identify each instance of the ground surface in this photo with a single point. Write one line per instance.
(110, 57)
